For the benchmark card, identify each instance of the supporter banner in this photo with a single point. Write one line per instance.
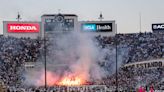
(83, 88)
(23, 27)
(97, 27)
(158, 27)
(88, 88)
(146, 64)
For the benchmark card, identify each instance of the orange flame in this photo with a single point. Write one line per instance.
(71, 81)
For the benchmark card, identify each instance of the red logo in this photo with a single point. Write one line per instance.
(23, 27)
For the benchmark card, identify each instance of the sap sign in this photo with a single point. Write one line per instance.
(156, 27)
(97, 27)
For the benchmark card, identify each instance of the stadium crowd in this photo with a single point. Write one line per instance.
(141, 47)
(15, 52)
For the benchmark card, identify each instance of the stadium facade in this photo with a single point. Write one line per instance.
(58, 23)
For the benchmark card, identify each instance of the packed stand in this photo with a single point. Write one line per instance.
(141, 47)
(14, 53)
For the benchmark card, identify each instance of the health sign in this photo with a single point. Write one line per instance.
(97, 27)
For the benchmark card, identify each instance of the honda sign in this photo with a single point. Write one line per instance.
(23, 27)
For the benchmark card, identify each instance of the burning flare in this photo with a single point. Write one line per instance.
(71, 81)
(66, 80)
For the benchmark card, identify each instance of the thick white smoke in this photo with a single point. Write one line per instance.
(78, 53)
(75, 54)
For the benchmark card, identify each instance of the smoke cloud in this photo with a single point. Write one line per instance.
(71, 54)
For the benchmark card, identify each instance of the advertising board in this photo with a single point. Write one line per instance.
(23, 27)
(158, 27)
(97, 27)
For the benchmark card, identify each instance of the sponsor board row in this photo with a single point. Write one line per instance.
(91, 27)
(35, 27)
